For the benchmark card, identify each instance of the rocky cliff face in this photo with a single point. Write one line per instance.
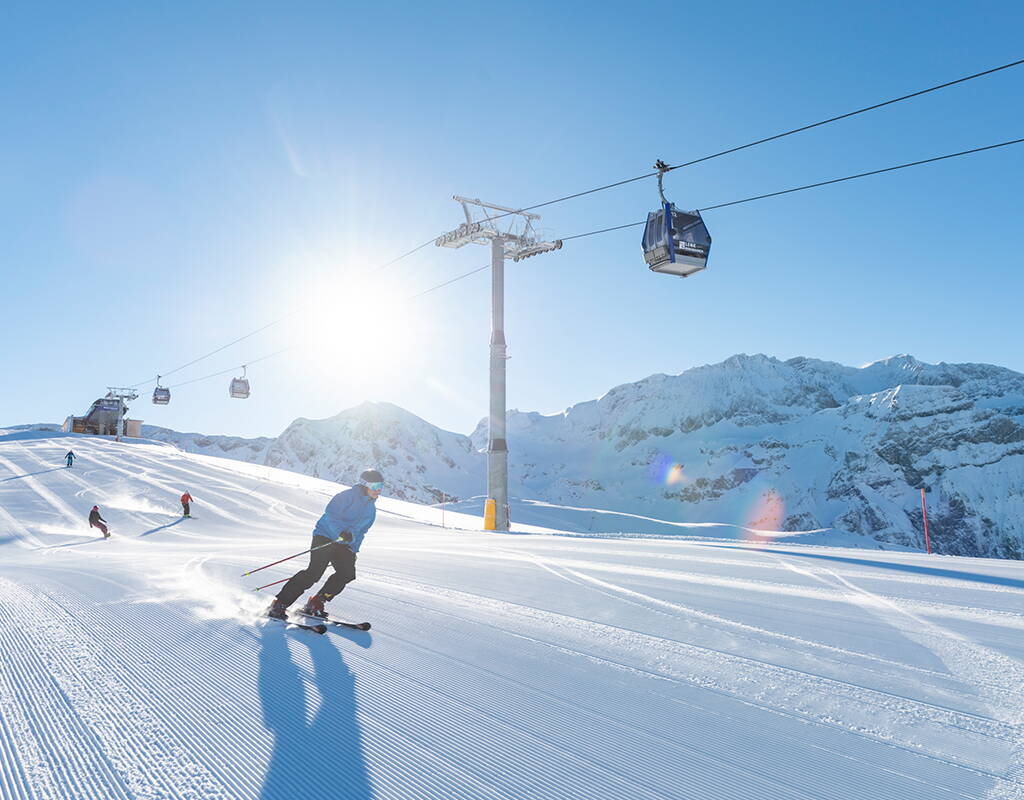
(233, 447)
(797, 445)
(421, 462)
(774, 445)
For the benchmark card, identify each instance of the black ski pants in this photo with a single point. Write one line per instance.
(337, 554)
(184, 508)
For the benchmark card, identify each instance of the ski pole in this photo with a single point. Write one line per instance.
(267, 586)
(289, 558)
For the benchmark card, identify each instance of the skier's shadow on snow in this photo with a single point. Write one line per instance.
(70, 544)
(30, 474)
(318, 748)
(162, 527)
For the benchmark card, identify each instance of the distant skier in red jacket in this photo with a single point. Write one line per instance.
(96, 521)
(185, 500)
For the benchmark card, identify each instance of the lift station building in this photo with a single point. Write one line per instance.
(101, 419)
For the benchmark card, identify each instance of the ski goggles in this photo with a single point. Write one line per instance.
(376, 486)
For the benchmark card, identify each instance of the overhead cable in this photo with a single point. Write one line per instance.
(772, 138)
(575, 195)
(233, 369)
(810, 186)
(268, 325)
(292, 347)
(442, 285)
(214, 352)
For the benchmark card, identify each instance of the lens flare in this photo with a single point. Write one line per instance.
(766, 515)
(666, 470)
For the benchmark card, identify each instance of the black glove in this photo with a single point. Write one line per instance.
(345, 536)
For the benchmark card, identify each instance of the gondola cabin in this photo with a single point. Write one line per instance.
(676, 242)
(161, 396)
(239, 388)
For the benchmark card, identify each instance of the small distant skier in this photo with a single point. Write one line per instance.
(70, 456)
(96, 521)
(185, 500)
(336, 540)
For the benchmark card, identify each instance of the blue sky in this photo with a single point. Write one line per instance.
(176, 175)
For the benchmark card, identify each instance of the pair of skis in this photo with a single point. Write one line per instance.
(321, 627)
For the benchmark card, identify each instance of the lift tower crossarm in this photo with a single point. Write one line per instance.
(477, 202)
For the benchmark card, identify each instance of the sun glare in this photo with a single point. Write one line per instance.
(354, 325)
(349, 324)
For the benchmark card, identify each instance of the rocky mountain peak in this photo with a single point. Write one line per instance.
(790, 445)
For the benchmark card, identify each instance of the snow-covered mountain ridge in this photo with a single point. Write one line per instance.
(234, 447)
(755, 441)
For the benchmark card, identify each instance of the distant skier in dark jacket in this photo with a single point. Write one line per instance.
(96, 521)
(70, 457)
(185, 500)
(336, 540)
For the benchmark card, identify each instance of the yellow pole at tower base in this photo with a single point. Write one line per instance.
(490, 514)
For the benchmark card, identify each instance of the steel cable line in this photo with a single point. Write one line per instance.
(293, 346)
(769, 138)
(706, 208)
(277, 321)
(234, 369)
(442, 285)
(214, 352)
(575, 195)
(811, 186)
(644, 222)
(416, 249)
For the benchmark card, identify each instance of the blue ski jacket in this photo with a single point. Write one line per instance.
(351, 510)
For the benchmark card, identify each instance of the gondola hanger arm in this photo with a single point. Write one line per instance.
(662, 168)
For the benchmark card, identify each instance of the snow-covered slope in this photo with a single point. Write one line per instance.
(755, 442)
(529, 666)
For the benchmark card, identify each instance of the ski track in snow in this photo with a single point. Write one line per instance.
(498, 667)
(849, 706)
(842, 659)
(112, 721)
(999, 677)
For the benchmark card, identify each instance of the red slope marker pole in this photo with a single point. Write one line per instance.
(924, 512)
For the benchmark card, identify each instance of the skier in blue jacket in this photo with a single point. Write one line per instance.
(336, 540)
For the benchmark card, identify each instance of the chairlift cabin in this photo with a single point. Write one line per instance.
(675, 242)
(161, 394)
(239, 387)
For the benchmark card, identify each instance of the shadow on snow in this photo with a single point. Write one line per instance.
(318, 749)
(162, 527)
(934, 572)
(30, 474)
(70, 544)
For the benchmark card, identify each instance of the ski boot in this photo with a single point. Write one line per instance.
(278, 610)
(315, 606)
